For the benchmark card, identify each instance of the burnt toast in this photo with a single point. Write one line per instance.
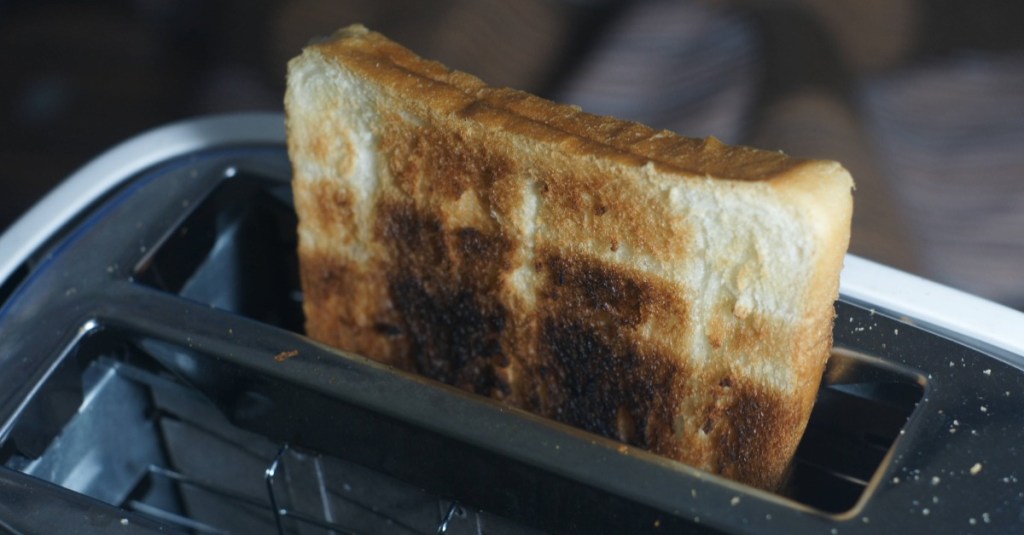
(672, 293)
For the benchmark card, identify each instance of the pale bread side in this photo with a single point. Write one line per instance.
(673, 293)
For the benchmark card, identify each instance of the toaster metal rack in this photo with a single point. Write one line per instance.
(153, 376)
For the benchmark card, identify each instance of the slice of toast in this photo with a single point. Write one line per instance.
(673, 293)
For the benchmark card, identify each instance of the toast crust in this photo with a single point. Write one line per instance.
(398, 69)
(672, 293)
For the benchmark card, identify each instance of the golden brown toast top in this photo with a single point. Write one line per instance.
(393, 66)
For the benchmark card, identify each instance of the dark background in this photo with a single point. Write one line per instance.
(78, 77)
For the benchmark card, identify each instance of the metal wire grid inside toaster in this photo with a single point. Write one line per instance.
(143, 441)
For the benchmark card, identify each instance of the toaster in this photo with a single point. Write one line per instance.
(154, 377)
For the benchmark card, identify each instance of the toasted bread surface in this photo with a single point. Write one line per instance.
(673, 293)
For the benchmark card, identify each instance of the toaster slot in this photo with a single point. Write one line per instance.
(235, 251)
(862, 407)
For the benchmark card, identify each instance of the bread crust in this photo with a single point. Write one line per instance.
(672, 293)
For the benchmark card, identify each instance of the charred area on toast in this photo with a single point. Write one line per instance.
(599, 292)
(743, 424)
(444, 285)
(607, 386)
(599, 374)
(445, 253)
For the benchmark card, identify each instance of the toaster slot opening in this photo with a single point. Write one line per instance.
(236, 252)
(862, 406)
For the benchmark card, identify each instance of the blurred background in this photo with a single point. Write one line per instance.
(922, 100)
